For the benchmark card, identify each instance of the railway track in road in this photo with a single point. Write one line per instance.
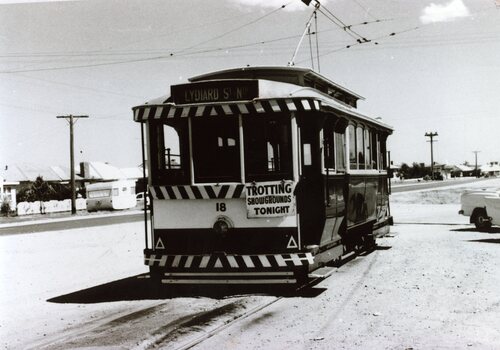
(175, 321)
(319, 276)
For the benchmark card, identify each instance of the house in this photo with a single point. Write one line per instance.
(8, 192)
(94, 172)
(18, 176)
(491, 169)
(461, 170)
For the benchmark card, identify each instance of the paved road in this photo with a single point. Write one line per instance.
(433, 184)
(71, 223)
(89, 221)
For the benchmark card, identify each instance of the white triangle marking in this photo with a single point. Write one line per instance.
(159, 244)
(218, 263)
(292, 243)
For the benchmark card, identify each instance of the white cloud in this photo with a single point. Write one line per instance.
(442, 13)
(291, 5)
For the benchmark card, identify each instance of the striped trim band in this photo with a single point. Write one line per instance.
(197, 192)
(169, 110)
(228, 262)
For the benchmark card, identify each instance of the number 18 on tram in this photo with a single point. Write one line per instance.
(260, 175)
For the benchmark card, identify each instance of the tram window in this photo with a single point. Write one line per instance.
(383, 153)
(216, 154)
(267, 148)
(307, 154)
(339, 151)
(360, 147)
(328, 147)
(368, 161)
(373, 146)
(334, 148)
(352, 147)
(169, 151)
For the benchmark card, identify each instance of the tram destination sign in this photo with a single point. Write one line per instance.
(215, 91)
(270, 199)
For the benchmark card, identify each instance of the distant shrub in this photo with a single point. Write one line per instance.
(5, 207)
(41, 190)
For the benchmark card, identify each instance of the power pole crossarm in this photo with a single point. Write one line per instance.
(71, 119)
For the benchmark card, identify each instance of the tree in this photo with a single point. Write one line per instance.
(405, 171)
(42, 190)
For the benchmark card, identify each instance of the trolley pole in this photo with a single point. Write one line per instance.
(431, 135)
(475, 168)
(71, 119)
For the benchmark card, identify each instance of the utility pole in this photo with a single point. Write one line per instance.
(475, 169)
(431, 135)
(71, 119)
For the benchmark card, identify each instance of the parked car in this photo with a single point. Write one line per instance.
(483, 208)
(140, 200)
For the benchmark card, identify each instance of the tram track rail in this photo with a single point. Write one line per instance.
(313, 281)
(179, 326)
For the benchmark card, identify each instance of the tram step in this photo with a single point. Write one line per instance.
(322, 272)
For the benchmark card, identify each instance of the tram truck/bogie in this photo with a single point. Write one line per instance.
(260, 175)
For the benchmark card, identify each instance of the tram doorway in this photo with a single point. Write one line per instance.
(310, 196)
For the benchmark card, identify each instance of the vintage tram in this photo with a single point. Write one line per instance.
(260, 175)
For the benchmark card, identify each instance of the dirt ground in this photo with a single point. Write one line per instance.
(433, 283)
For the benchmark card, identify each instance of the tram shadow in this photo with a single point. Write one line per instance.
(141, 287)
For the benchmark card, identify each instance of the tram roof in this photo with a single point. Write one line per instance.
(274, 95)
(294, 75)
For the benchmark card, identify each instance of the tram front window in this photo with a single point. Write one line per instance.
(216, 151)
(169, 152)
(268, 152)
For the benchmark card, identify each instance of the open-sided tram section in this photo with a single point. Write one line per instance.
(260, 175)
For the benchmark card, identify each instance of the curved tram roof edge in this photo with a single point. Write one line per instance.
(273, 97)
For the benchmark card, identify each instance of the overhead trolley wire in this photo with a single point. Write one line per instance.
(357, 2)
(375, 41)
(210, 50)
(338, 22)
(235, 29)
(183, 51)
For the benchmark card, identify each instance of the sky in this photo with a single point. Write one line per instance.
(426, 66)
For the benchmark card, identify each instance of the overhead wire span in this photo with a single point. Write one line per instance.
(183, 51)
(202, 51)
(374, 40)
(357, 2)
(235, 29)
(338, 22)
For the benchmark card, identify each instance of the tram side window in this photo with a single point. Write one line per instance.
(339, 140)
(383, 152)
(368, 161)
(216, 151)
(374, 148)
(360, 147)
(329, 147)
(268, 153)
(352, 147)
(334, 149)
(169, 149)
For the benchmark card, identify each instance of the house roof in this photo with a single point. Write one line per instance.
(107, 172)
(463, 167)
(29, 172)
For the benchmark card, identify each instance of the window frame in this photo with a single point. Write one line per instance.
(253, 156)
